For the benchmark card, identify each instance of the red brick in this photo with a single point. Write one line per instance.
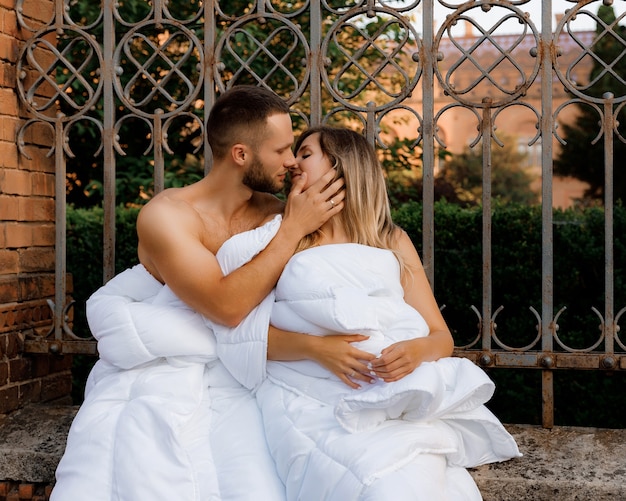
(4, 488)
(36, 259)
(9, 399)
(8, 205)
(8, 289)
(40, 11)
(35, 209)
(18, 235)
(13, 345)
(8, 100)
(30, 392)
(19, 370)
(9, 261)
(15, 181)
(43, 184)
(26, 491)
(9, 49)
(7, 75)
(36, 286)
(43, 234)
(4, 373)
(8, 125)
(40, 365)
(56, 386)
(8, 22)
(8, 154)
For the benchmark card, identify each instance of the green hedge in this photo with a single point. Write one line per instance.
(516, 279)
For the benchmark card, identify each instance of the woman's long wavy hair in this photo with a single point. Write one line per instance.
(366, 215)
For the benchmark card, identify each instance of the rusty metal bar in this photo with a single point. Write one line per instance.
(428, 60)
(108, 137)
(547, 239)
(609, 326)
(486, 128)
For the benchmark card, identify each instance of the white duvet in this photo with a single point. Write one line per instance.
(162, 419)
(169, 413)
(407, 440)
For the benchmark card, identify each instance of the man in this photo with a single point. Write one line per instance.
(162, 418)
(180, 230)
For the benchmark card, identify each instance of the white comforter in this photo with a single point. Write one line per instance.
(162, 418)
(411, 439)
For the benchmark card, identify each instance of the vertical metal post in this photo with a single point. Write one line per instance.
(108, 182)
(315, 79)
(210, 37)
(159, 162)
(60, 266)
(547, 244)
(428, 60)
(609, 263)
(485, 131)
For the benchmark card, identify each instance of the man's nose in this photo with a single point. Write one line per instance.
(290, 162)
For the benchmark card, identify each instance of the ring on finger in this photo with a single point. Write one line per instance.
(332, 202)
(352, 374)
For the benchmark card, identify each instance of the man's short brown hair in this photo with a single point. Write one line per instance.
(239, 116)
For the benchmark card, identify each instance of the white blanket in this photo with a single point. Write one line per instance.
(411, 439)
(162, 417)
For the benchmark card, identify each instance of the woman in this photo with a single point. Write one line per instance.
(411, 432)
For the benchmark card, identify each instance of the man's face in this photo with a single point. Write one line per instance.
(270, 163)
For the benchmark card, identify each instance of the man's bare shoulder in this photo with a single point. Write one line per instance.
(170, 208)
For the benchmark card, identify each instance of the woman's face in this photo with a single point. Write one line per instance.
(310, 159)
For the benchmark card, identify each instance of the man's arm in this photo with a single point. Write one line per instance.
(175, 247)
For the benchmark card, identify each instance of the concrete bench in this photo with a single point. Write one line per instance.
(562, 464)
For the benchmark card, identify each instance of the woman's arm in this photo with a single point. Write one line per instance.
(334, 352)
(400, 359)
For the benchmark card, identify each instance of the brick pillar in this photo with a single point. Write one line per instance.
(27, 234)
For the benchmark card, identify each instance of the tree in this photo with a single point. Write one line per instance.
(578, 157)
(510, 181)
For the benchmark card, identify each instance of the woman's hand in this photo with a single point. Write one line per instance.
(397, 360)
(402, 358)
(336, 353)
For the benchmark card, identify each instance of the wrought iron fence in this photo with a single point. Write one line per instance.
(163, 63)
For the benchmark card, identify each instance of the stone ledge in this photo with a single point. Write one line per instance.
(32, 441)
(562, 464)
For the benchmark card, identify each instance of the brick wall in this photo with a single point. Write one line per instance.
(27, 234)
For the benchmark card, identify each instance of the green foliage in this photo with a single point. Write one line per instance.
(510, 182)
(516, 286)
(580, 158)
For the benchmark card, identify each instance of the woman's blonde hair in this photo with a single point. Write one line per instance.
(366, 215)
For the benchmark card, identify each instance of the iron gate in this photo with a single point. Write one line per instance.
(362, 61)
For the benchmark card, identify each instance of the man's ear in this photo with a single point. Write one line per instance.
(239, 153)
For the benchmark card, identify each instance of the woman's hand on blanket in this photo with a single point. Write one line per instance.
(398, 360)
(336, 353)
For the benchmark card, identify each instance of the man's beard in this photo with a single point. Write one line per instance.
(257, 179)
